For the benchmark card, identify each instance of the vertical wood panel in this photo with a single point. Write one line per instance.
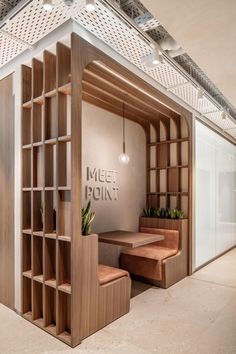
(7, 192)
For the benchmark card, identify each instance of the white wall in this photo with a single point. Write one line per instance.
(101, 146)
(215, 203)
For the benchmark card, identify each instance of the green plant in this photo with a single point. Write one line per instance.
(163, 213)
(149, 212)
(87, 218)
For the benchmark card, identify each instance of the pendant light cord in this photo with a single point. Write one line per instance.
(123, 127)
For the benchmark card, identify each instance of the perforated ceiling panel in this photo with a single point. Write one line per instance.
(33, 23)
(6, 6)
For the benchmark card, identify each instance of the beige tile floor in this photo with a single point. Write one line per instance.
(197, 315)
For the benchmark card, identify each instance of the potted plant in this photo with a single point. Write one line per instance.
(87, 217)
(161, 218)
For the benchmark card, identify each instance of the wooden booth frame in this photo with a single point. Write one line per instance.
(60, 289)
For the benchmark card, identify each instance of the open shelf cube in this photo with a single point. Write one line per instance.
(64, 266)
(27, 297)
(26, 211)
(26, 126)
(162, 155)
(37, 313)
(64, 115)
(37, 256)
(64, 161)
(64, 318)
(37, 67)
(50, 165)
(26, 162)
(50, 118)
(26, 83)
(64, 213)
(50, 309)
(38, 167)
(50, 212)
(50, 260)
(37, 123)
(64, 64)
(49, 71)
(26, 253)
(38, 211)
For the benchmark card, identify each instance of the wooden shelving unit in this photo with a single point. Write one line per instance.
(46, 194)
(60, 289)
(168, 165)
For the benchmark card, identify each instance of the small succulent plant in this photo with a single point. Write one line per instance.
(87, 218)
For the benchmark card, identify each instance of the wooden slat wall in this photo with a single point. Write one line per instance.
(7, 192)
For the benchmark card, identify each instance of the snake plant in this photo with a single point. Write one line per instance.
(87, 218)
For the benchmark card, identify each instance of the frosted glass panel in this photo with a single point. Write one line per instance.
(215, 195)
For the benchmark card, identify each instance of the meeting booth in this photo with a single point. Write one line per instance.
(97, 138)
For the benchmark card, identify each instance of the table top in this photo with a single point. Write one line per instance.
(128, 238)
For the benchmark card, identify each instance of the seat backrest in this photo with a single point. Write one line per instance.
(171, 237)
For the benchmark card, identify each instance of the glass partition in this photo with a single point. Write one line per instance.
(215, 202)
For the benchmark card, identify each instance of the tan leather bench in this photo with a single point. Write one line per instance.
(148, 262)
(108, 274)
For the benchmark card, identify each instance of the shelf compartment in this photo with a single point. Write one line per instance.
(37, 123)
(64, 115)
(50, 118)
(64, 213)
(37, 256)
(50, 165)
(27, 297)
(184, 180)
(162, 154)
(50, 309)
(173, 180)
(37, 303)
(38, 178)
(173, 154)
(153, 180)
(26, 168)
(37, 67)
(26, 83)
(26, 126)
(64, 161)
(38, 212)
(64, 64)
(64, 317)
(26, 212)
(49, 71)
(50, 212)
(64, 265)
(50, 259)
(26, 253)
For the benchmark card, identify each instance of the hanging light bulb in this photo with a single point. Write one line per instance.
(90, 5)
(123, 158)
(47, 5)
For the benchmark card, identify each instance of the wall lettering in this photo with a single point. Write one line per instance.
(101, 184)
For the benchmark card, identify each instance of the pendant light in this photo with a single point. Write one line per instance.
(123, 158)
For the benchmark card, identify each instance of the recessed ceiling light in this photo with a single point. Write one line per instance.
(90, 5)
(47, 5)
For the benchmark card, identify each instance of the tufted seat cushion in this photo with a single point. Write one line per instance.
(107, 274)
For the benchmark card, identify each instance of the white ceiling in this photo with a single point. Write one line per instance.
(207, 32)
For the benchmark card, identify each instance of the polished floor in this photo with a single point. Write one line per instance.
(197, 315)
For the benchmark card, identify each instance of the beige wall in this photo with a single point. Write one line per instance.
(102, 144)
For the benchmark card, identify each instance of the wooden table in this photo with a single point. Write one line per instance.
(128, 238)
